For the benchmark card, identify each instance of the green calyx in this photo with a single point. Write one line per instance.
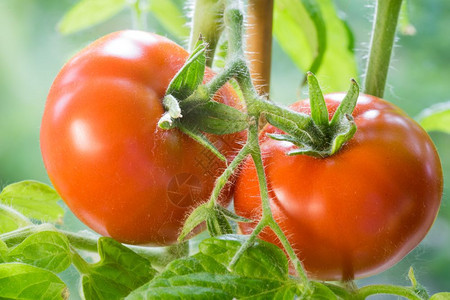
(323, 137)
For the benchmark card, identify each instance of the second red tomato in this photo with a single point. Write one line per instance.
(355, 213)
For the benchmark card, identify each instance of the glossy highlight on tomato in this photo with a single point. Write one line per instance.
(117, 171)
(355, 213)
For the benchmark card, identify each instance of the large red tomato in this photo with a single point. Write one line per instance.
(355, 213)
(104, 153)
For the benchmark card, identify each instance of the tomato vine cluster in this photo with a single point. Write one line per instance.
(147, 145)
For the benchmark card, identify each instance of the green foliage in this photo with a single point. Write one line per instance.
(10, 219)
(87, 13)
(304, 20)
(22, 281)
(33, 199)
(440, 296)
(3, 251)
(323, 44)
(47, 249)
(118, 272)
(260, 273)
(170, 17)
(436, 117)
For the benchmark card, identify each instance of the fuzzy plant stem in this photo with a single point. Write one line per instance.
(383, 36)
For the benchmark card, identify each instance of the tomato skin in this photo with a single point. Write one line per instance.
(358, 212)
(117, 171)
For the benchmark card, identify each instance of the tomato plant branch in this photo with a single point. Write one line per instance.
(225, 176)
(383, 35)
(267, 215)
(405, 292)
(158, 256)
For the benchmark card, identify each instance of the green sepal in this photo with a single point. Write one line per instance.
(232, 216)
(335, 133)
(347, 105)
(217, 224)
(200, 138)
(308, 151)
(198, 216)
(319, 111)
(416, 286)
(289, 127)
(215, 117)
(215, 218)
(286, 138)
(190, 76)
(345, 132)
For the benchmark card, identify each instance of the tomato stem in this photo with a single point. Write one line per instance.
(225, 176)
(406, 292)
(208, 25)
(383, 35)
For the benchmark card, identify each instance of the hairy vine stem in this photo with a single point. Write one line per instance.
(383, 35)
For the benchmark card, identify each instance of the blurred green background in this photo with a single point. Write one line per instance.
(32, 52)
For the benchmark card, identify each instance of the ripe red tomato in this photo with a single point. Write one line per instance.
(355, 213)
(104, 153)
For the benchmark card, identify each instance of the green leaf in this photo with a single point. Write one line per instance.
(10, 219)
(218, 224)
(321, 292)
(3, 251)
(216, 118)
(33, 199)
(48, 250)
(440, 296)
(261, 273)
(190, 76)
(118, 272)
(262, 260)
(170, 17)
(303, 20)
(87, 13)
(339, 63)
(319, 111)
(436, 117)
(21, 281)
(323, 42)
(404, 25)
